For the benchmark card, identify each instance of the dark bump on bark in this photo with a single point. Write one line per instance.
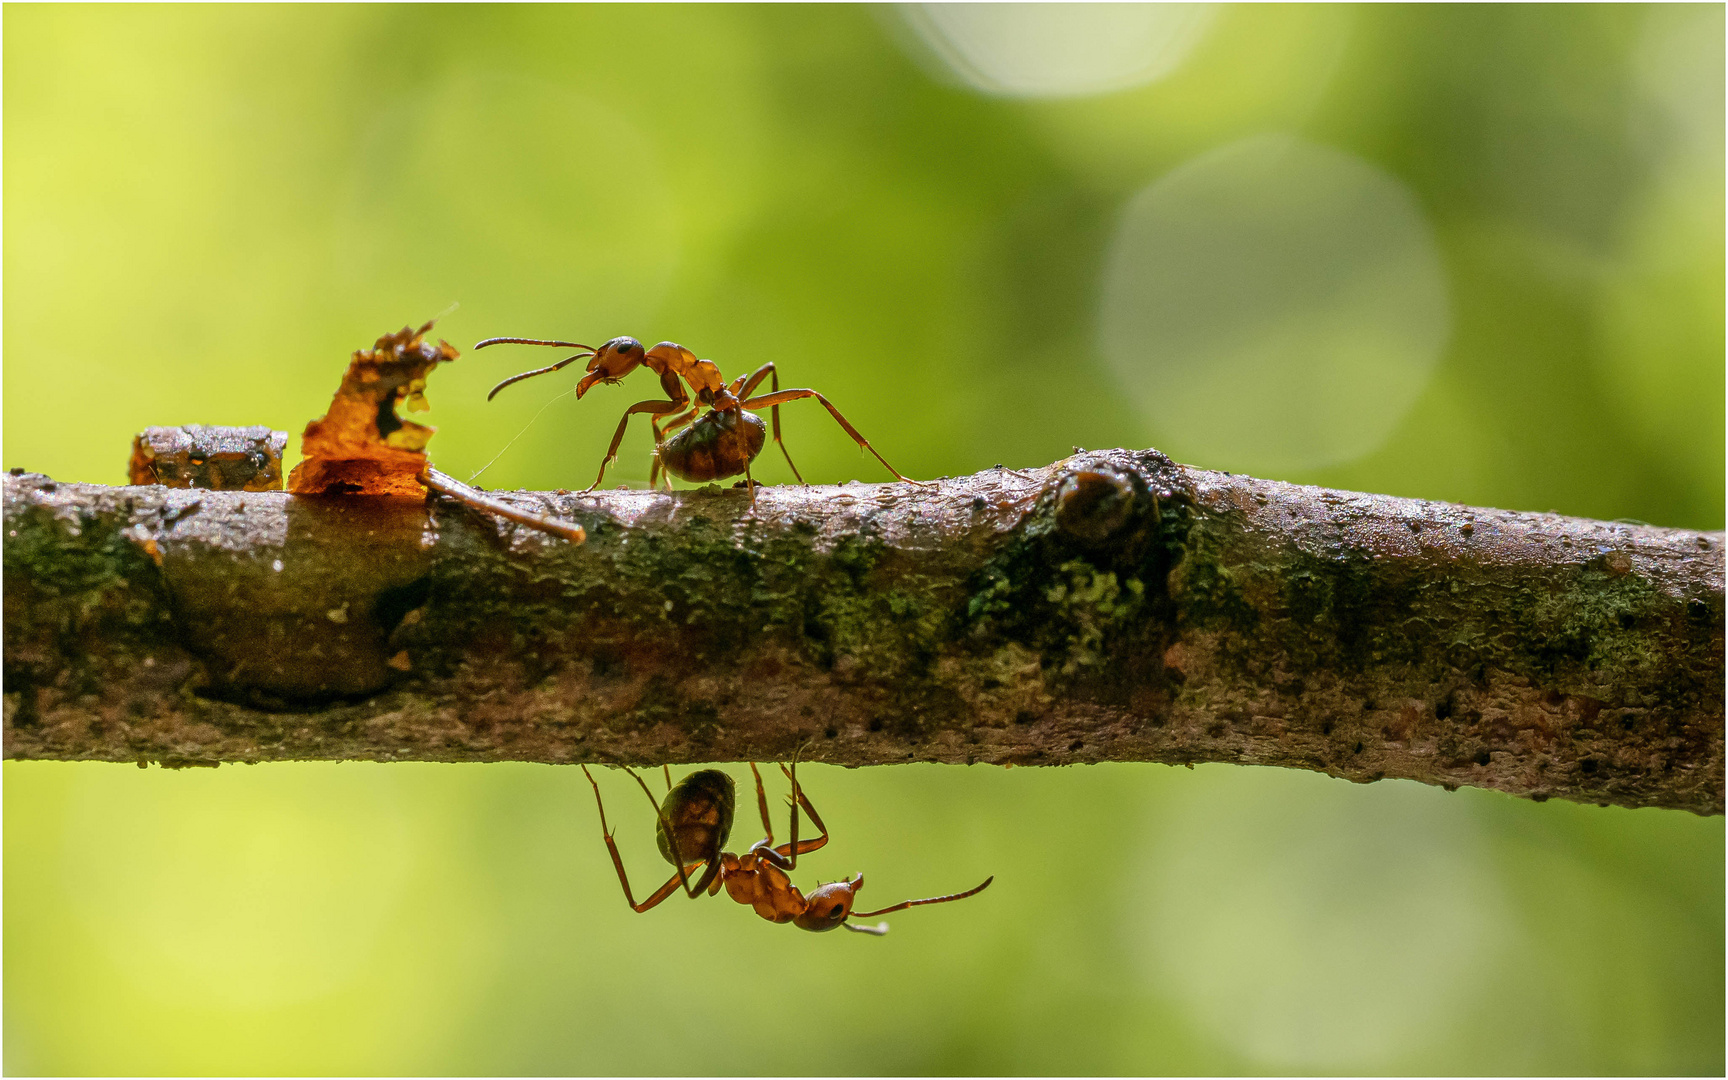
(1093, 504)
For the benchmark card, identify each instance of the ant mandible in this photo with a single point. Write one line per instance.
(695, 820)
(719, 443)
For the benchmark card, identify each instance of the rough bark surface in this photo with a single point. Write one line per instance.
(1110, 607)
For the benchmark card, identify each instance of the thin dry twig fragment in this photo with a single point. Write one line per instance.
(445, 484)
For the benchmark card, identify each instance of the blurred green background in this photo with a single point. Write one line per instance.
(1464, 253)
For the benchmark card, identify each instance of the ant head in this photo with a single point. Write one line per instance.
(611, 362)
(627, 346)
(828, 905)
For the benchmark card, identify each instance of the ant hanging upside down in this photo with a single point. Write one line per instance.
(695, 820)
(720, 442)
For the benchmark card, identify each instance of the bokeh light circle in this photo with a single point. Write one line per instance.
(1274, 305)
(1059, 50)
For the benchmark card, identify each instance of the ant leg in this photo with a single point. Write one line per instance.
(660, 434)
(802, 847)
(709, 881)
(781, 397)
(709, 878)
(618, 862)
(762, 806)
(672, 837)
(904, 904)
(743, 387)
(792, 844)
(768, 371)
(692, 891)
(764, 848)
(653, 408)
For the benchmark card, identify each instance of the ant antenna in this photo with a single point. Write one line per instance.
(536, 371)
(519, 434)
(531, 341)
(588, 350)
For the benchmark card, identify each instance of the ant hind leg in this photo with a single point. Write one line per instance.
(618, 862)
(666, 826)
(773, 375)
(781, 397)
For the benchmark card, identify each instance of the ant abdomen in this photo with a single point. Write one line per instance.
(699, 809)
(718, 445)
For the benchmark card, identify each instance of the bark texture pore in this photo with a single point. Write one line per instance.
(1113, 606)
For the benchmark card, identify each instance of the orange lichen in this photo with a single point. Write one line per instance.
(360, 446)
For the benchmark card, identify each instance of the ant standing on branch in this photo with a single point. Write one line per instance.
(718, 443)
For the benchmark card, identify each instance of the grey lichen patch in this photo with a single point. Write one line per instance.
(1591, 620)
(1204, 583)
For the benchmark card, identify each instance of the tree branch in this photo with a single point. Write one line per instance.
(1111, 607)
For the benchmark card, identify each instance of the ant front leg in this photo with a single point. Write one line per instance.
(618, 862)
(767, 371)
(781, 397)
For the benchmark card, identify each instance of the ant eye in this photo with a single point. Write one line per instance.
(835, 912)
